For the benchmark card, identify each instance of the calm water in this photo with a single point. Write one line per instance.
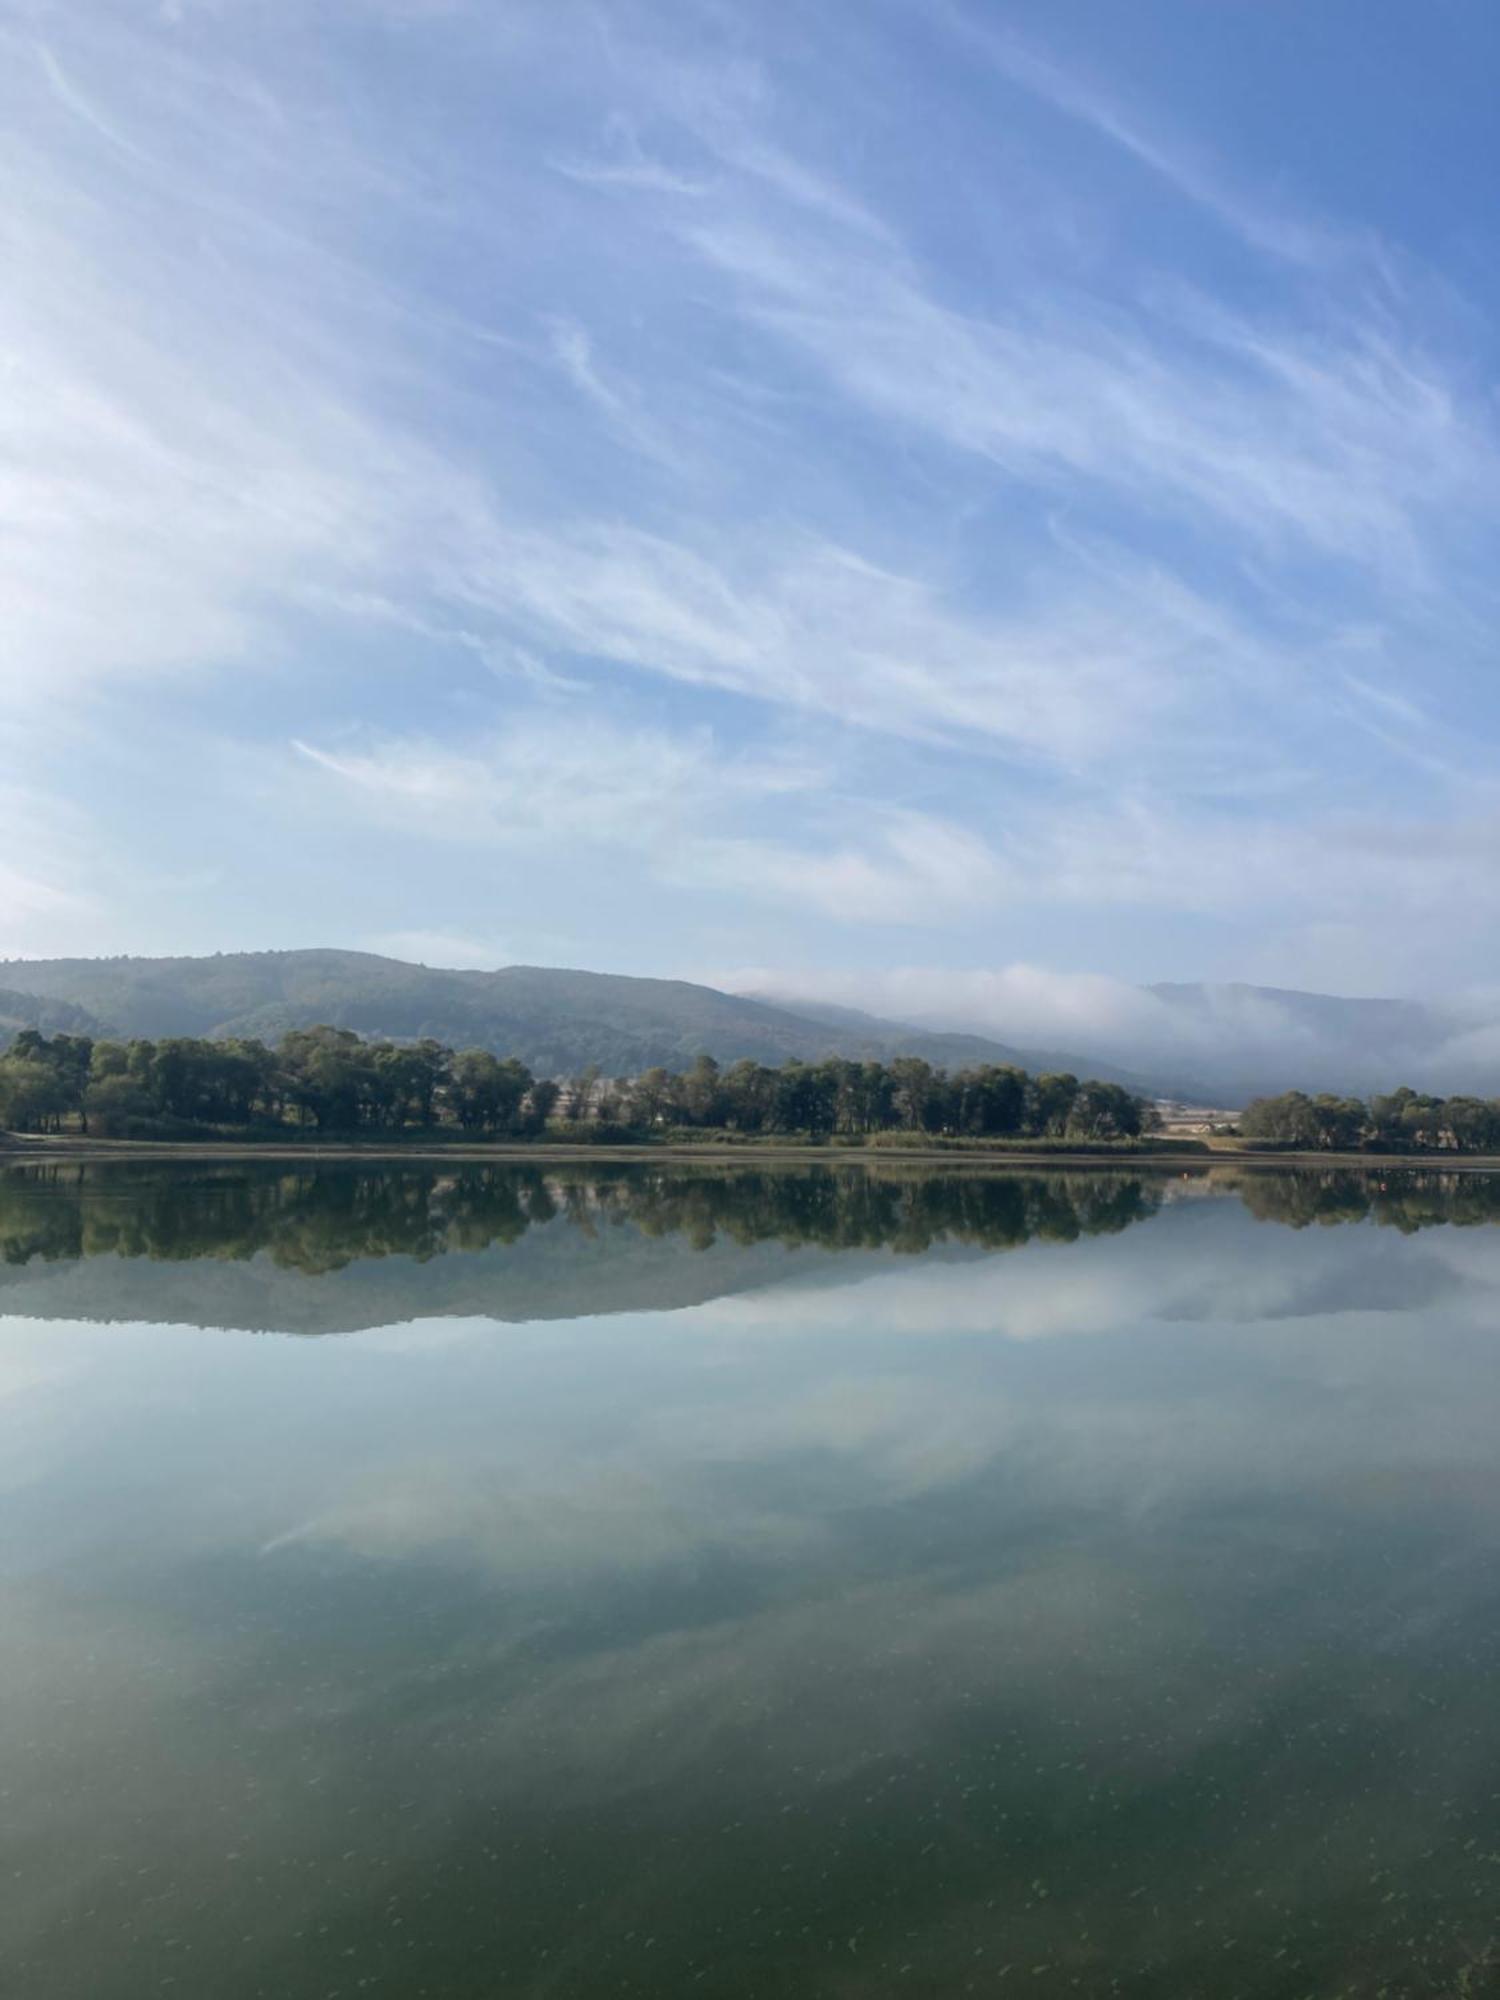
(467, 1582)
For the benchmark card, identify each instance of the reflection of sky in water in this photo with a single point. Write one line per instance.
(1126, 1608)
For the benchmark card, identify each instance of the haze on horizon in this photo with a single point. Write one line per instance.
(878, 502)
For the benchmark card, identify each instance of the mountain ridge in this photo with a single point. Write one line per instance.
(1208, 1043)
(19, 1011)
(1224, 1042)
(556, 1019)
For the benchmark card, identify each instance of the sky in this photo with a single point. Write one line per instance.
(813, 498)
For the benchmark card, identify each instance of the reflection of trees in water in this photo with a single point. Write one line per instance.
(318, 1218)
(309, 1219)
(1406, 1201)
(859, 1210)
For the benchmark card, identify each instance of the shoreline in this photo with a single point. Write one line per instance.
(1163, 1156)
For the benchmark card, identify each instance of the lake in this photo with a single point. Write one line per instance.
(575, 1579)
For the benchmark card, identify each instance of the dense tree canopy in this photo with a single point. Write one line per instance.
(1403, 1122)
(328, 1080)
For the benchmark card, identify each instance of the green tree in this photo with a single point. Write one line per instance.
(916, 1094)
(32, 1098)
(1103, 1111)
(701, 1095)
(487, 1092)
(329, 1074)
(539, 1105)
(1049, 1103)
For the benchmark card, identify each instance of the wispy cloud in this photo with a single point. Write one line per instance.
(573, 351)
(545, 782)
(1334, 442)
(541, 463)
(1186, 169)
(622, 162)
(809, 624)
(904, 868)
(692, 810)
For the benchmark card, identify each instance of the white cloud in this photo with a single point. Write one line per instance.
(573, 351)
(905, 867)
(1335, 443)
(1397, 867)
(1232, 1039)
(1026, 1003)
(813, 625)
(622, 162)
(676, 799)
(1144, 547)
(1297, 237)
(555, 777)
(169, 474)
(209, 474)
(48, 889)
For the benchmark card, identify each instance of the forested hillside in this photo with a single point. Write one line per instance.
(554, 1021)
(19, 1011)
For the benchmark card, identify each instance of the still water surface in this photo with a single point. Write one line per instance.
(571, 1581)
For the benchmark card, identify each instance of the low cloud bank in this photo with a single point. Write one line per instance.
(1227, 1041)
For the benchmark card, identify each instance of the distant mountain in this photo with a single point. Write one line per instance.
(53, 1017)
(556, 1021)
(1222, 1044)
(1328, 1016)
(555, 1271)
(1244, 1041)
(958, 1049)
(1211, 1044)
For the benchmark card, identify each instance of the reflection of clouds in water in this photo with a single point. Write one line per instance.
(1203, 1262)
(556, 1271)
(1138, 1372)
(28, 1367)
(1091, 1379)
(861, 1715)
(536, 1517)
(1472, 1254)
(831, 1567)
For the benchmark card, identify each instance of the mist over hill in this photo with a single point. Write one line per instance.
(1244, 1041)
(1218, 1043)
(1210, 1043)
(556, 1021)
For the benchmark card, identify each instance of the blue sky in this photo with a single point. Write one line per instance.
(882, 499)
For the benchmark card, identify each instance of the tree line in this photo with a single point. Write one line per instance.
(1405, 1121)
(332, 1082)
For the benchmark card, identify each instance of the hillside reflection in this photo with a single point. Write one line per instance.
(321, 1218)
(336, 1246)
